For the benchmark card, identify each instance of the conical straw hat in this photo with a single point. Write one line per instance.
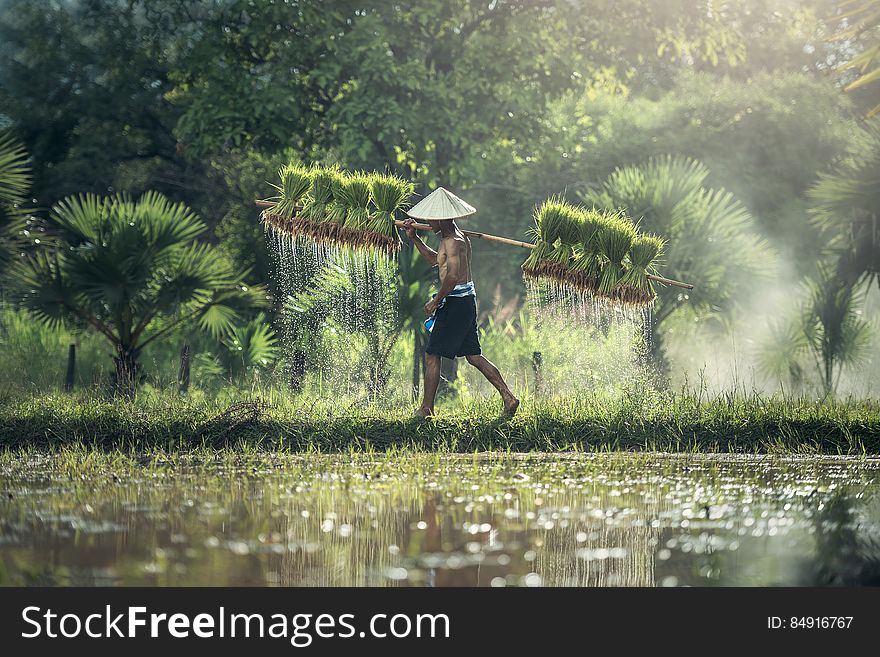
(441, 204)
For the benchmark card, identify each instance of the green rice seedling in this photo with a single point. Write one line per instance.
(317, 203)
(569, 231)
(643, 256)
(548, 220)
(355, 195)
(295, 183)
(585, 267)
(336, 210)
(613, 241)
(320, 195)
(555, 230)
(390, 193)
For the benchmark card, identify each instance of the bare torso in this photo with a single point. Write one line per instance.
(455, 244)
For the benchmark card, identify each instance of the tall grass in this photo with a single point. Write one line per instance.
(271, 419)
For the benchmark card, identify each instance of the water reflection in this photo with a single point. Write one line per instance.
(562, 520)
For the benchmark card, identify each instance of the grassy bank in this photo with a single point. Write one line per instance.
(270, 420)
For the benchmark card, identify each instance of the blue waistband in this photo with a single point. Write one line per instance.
(464, 290)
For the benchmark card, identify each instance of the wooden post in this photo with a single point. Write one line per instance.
(183, 374)
(297, 371)
(538, 367)
(418, 364)
(448, 376)
(71, 368)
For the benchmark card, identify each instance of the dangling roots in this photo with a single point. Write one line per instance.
(622, 294)
(325, 232)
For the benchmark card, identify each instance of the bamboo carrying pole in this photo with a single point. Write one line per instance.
(503, 240)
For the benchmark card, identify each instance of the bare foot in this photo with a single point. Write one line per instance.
(424, 413)
(510, 406)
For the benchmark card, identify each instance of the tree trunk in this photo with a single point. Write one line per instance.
(71, 368)
(183, 373)
(829, 371)
(126, 374)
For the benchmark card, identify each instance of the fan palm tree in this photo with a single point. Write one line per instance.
(710, 235)
(827, 330)
(15, 180)
(847, 209)
(133, 272)
(835, 333)
(246, 349)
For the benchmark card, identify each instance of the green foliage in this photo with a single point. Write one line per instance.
(87, 96)
(15, 177)
(845, 207)
(828, 330)
(749, 134)
(711, 237)
(835, 333)
(33, 356)
(15, 180)
(133, 272)
(240, 178)
(862, 21)
(245, 351)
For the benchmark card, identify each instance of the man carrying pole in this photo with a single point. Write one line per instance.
(452, 311)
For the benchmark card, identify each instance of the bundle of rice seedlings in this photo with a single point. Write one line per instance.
(586, 267)
(320, 194)
(336, 209)
(355, 195)
(569, 231)
(643, 255)
(555, 234)
(613, 241)
(295, 183)
(390, 193)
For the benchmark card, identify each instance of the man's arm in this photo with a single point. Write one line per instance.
(427, 252)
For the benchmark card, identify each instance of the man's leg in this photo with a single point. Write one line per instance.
(493, 375)
(432, 380)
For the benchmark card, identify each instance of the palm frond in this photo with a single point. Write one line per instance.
(15, 174)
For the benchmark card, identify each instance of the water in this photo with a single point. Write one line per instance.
(339, 316)
(492, 520)
(588, 343)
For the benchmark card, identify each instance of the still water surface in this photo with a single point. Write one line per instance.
(490, 520)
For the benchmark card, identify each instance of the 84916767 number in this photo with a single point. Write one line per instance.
(809, 622)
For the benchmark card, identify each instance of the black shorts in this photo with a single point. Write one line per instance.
(455, 329)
